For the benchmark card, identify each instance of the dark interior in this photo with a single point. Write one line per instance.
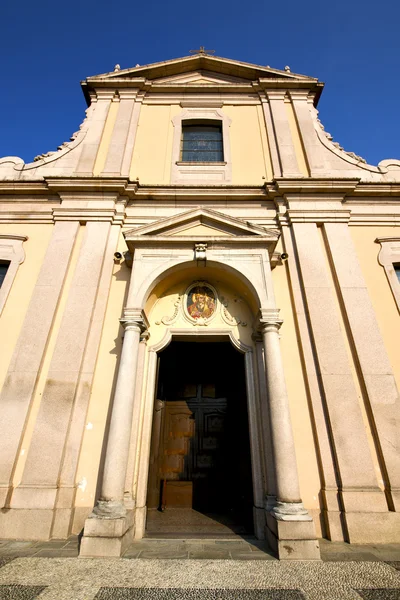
(210, 378)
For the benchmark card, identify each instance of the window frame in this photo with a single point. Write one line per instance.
(11, 251)
(389, 258)
(196, 123)
(201, 172)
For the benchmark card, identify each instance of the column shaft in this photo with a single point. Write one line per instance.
(112, 491)
(287, 484)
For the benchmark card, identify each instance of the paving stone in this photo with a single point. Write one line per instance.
(393, 563)
(209, 554)
(132, 554)
(196, 594)
(230, 543)
(28, 552)
(57, 553)
(19, 545)
(340, 557)
(251, 556)
(80, 579)
(51, 544)
(166, 554)
(20, 592)
(379, 594)
(4, 560)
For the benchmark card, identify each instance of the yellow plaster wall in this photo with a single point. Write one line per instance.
(249, 147)
(297, 143)
(103, 385)
(152, 155)
(306, 456)
(379, 289)
(17, 303)
(106, 139)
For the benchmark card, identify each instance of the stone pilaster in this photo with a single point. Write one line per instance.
(93, 137)
(358, 487)
(311, 143)
(65, 500)
(276, 165)
(376, 370)
(26, 363)
(284, 141)
(40, 479)
(120, 133)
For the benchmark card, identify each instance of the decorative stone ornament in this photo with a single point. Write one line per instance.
(200, 303)
(200, 251)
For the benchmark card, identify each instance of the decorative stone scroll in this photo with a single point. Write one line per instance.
(166, 320)
(227, 316)
(329, 137)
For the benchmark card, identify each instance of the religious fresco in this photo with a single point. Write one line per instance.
(201, 302)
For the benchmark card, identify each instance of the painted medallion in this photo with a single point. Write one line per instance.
(201, 302)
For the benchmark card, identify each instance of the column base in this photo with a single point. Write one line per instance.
(290, 511)
(293, 539)
(108, 537)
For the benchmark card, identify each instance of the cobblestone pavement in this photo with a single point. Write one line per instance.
(234, 569)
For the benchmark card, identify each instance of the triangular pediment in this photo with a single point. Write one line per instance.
(200, 223)
(200, 77)
(214, 66)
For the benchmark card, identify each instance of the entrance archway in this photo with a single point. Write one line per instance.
(200, 477)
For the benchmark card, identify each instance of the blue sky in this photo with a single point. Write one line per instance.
(48, 47)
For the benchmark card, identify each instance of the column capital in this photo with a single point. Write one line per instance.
(301, 95)
(269, 319)
(275, 94)
(133, 318)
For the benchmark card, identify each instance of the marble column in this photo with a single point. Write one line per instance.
(109, 528)
(290, 529)
(288, 501)
(111, 503)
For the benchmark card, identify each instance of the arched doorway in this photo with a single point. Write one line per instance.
(200, 476)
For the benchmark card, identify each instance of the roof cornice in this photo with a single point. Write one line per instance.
(258, 77)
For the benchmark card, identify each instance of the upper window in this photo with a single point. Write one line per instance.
(201, 150)
(202, 143)
(397, 270)
(11, 256)
(389, 258)
(4, 264)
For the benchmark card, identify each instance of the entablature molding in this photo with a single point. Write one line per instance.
(83, 215)
(106, 198)
(317, 216)
(105, 89)
(313, 185)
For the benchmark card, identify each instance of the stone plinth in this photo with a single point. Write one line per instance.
(106, 537)
(293, 539)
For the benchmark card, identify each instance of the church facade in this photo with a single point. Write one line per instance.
(199, 314)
